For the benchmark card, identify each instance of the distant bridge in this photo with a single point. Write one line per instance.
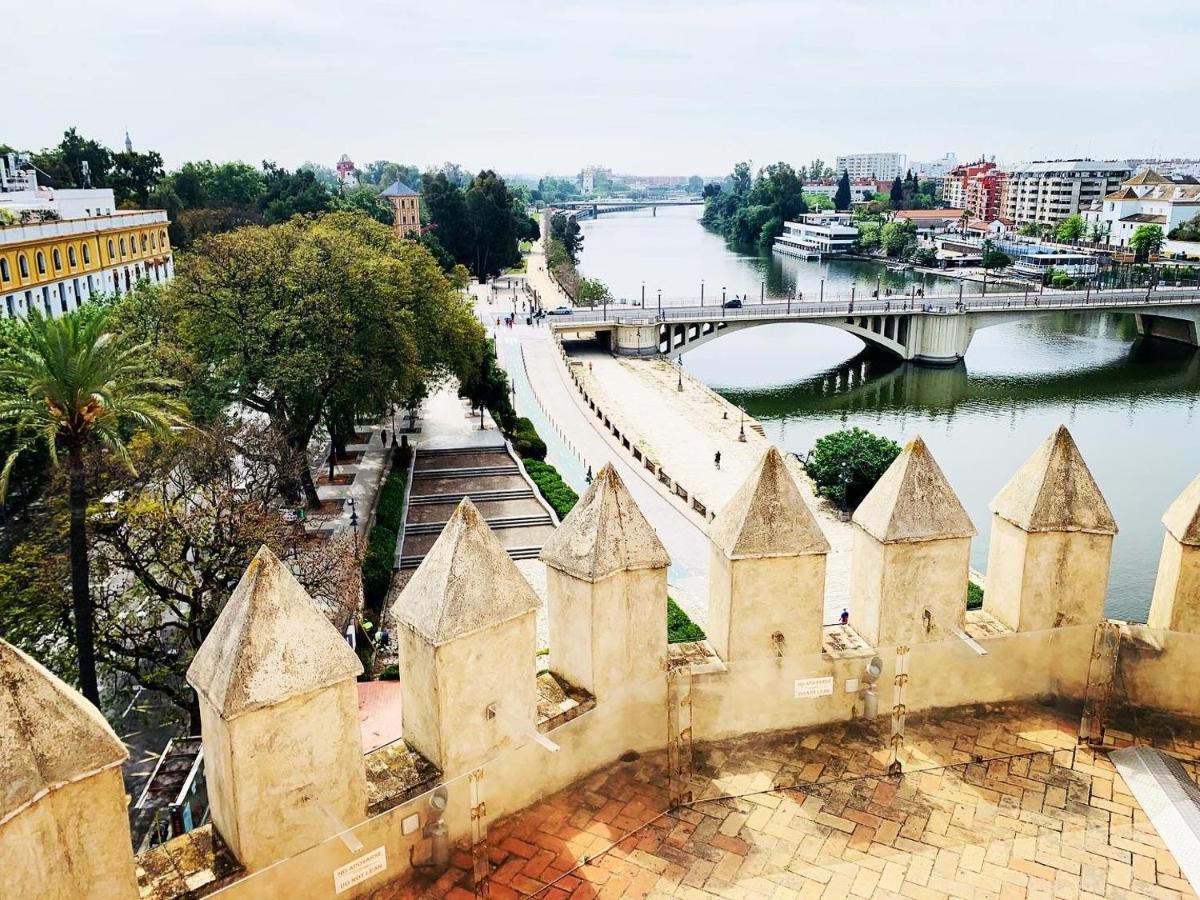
(590, 209)
(936, 331)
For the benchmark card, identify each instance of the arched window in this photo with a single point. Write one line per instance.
(162, 238)
(41, 262)
(123, 247)
(153, 241)
(5, 274)
(87, 255)
(57, 254)
(23, 265)
(143, 243)
(72, 259)
(111, 251)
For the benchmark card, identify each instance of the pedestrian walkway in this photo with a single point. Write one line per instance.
(354, 487)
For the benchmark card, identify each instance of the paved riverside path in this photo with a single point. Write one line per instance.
(550, 395)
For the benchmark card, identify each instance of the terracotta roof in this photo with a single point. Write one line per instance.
(767, 516)
(49, 735)
(465, 583)
(1149, 176)
(1125, 193)
(912, 501)
(1054, 491)
(604, 534)
(269, 644)
(1145, 217)
(929, 213)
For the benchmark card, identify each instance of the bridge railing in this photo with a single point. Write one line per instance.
(933, 305)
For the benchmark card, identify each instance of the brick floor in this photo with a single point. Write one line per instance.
(993, 803)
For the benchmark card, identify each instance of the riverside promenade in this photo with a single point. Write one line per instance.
(681, 431)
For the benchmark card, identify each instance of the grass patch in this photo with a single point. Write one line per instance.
(974, 596)
(550, 484)
(680, 628)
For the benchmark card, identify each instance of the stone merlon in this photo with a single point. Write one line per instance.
(466, 582)
(269, 644)
(767, 516)
(1183, 515)
(49, 735)
(604, 534)
(913, 502)
(1054, 491)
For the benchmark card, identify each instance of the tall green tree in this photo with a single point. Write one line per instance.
(1146, 241)
(80, 386)
(493, 226)
(134, 175)
(287, 194)
(1071, 228)
(897, 195)
(841, 198)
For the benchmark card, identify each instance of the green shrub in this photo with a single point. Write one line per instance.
(680, 628)
(390, 673)
(974, 596)
(403, 459)
(526, 440)
(556, 491)
(390, 510)
(377, 565)
(846, 464)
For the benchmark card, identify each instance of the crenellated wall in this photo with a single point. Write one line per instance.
(285, 764)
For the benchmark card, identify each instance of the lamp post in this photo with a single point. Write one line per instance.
(702, 292)
(660, 303)
(742, 425)
(762, 293)
(354, 524)
(679, 371)
(643, 295)
(722, 296)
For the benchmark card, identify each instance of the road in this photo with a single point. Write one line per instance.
(574, 444)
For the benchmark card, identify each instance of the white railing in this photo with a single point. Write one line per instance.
(21, 232)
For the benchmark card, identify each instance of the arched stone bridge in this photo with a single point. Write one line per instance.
(925, 330)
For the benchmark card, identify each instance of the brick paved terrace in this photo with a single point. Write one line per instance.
(993, 802)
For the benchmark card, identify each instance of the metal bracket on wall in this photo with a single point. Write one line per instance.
(899, 711)
(481, 869)
(679, 735)
(1102, 676)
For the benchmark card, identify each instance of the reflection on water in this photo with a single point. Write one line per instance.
(1131, 405)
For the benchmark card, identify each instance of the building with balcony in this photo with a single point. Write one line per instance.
(1148, 198)
(877, 166)
(818, 234)
(976, 187)
(60, 247)
(1048, 192)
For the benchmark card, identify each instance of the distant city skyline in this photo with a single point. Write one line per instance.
(665, 88)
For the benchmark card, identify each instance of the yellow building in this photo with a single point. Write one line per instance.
(406, 204)
(60, 246)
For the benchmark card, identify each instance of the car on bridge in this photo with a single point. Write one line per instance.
(735, 303)
(560, 311)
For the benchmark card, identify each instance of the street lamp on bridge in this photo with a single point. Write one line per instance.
(701, 291)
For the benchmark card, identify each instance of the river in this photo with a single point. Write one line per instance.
(1133, 406)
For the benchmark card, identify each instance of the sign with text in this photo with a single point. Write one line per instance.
(359, 870)
(807, 688)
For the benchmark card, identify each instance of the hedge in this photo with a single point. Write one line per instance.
(526, 440)
(377, 565)
(680, 628)
(390, 510)
(974, 596)
(556, 491)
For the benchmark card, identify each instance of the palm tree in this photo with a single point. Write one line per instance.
(73, 384)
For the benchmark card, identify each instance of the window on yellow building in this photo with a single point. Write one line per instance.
(23, 265)
(5, 274)
(153, 241)
(143, 243)
(72, 260)
(162, 237)
(57, 254)
(123, 247)
(41, 262)
(111, 252)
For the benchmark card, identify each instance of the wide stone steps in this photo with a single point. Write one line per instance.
(476, 497)
(460, 451)
(465, 473)
(515, 553)
(495, 524)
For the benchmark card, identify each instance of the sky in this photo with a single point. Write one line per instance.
(645, 87)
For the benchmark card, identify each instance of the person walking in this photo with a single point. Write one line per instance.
(717, 459)
(385, 639)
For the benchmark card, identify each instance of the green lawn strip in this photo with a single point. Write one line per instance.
(680, 628)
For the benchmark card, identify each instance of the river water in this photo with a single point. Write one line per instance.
(1132, 406)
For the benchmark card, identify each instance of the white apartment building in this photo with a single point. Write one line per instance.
(1047, 192)
(823, 234)
(936, 168)
(877, 166)
(1147, 198)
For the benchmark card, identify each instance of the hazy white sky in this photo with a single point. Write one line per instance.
(675, 87)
